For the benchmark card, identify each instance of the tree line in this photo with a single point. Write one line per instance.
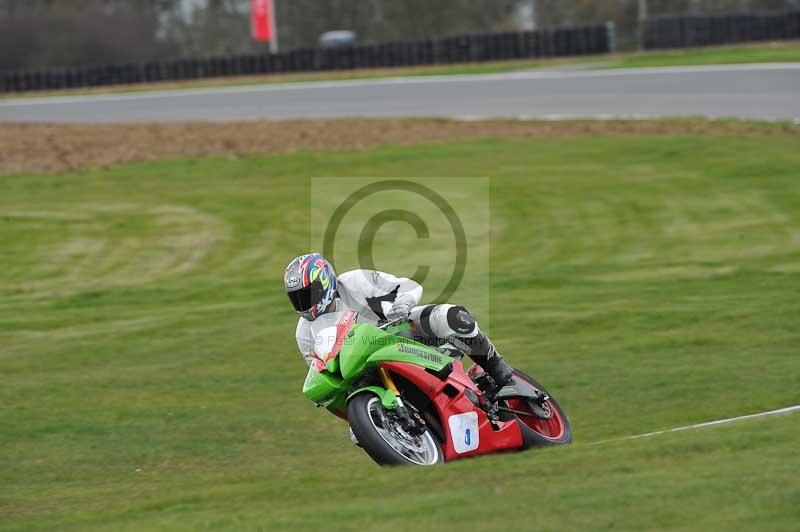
(37, 34)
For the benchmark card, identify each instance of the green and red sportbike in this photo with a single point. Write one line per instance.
(408, 403)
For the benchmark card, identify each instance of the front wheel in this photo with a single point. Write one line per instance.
(541, 425)
(382, 436)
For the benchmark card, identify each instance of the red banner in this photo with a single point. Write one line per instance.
(262, 20)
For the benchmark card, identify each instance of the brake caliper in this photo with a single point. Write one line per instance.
(410, 420)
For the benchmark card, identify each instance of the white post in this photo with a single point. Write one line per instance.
(273, 43)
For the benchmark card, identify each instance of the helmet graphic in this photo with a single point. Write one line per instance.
(310, 284)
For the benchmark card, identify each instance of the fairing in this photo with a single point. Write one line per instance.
(508, 435)
(355, 348)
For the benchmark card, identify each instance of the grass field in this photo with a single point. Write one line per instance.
(151, 381)
(774, 52)
(771, 52)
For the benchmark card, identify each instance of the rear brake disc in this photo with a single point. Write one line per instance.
(543, 410)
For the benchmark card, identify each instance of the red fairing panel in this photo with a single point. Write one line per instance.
(467, 430)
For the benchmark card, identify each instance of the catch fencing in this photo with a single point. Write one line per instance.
(686, 32)
(560, 42)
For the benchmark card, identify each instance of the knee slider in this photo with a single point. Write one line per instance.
(461, 322)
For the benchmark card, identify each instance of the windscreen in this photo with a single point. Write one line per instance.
(329, 332)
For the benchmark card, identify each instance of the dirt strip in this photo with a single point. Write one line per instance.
(39, 148)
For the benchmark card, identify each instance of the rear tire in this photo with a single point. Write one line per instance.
(546, 433)
(372, 428)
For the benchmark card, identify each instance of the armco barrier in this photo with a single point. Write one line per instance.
(685, 32)
(461, 49)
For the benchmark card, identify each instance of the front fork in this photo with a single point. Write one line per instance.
(409, 417)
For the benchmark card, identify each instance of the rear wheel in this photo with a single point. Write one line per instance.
(382, 436)
(541, 424)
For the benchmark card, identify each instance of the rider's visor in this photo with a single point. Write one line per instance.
(306, 297)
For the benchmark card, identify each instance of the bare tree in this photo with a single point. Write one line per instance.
(47, 33)
(42, 33)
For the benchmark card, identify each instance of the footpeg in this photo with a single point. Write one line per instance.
(486, 385)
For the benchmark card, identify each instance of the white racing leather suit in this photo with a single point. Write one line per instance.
(372, 293)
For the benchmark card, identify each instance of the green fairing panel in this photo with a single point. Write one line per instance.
(320, 386)
(363, 340)
(338, 404)
(412, 353)
(387, 397)
(333, 365)
(366, 345)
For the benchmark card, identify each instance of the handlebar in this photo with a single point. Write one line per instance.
(385, 325)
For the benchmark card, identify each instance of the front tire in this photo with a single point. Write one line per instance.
(384, 440)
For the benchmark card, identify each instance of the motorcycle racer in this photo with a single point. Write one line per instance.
(314, 289)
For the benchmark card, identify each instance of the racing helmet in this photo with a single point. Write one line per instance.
(310, 283)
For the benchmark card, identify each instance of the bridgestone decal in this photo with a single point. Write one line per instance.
(433, 357)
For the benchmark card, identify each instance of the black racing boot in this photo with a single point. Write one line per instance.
(499, 370)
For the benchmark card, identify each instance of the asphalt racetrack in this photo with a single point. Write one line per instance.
(764, 91)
